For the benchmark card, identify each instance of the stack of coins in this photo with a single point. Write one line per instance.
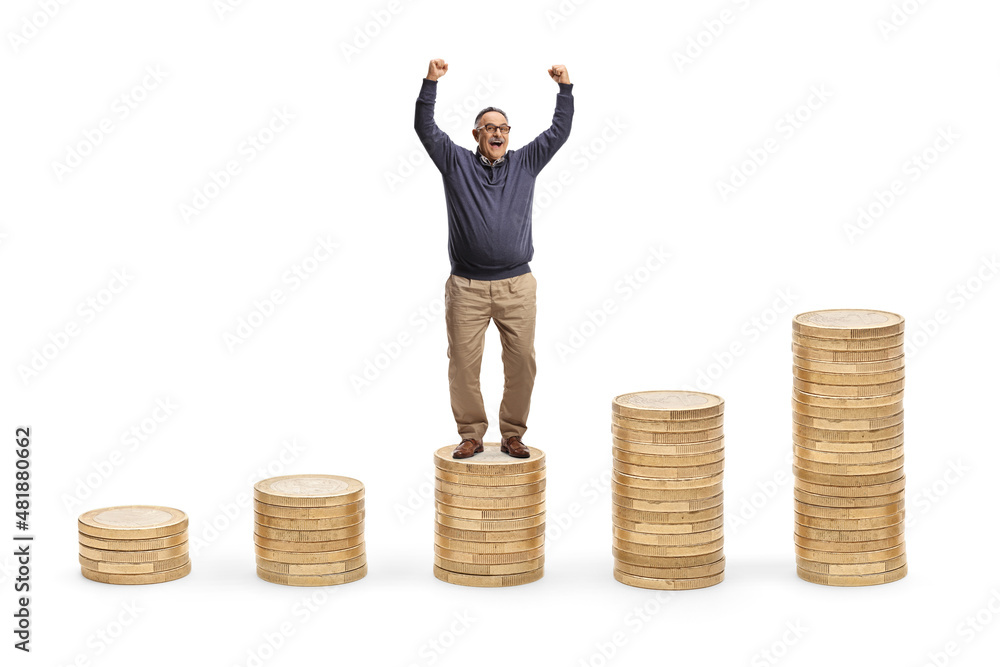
(309, 530)
(489, 525)
(134, 544)
(667, 489)
(847, 430)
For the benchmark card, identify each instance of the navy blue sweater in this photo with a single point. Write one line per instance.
(489, 207)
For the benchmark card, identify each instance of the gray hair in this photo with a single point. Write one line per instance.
(486, 111)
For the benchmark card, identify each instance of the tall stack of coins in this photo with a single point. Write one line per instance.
(489, 525)
(847, 430)
(309, 530)
(666, 489)
(134, 544)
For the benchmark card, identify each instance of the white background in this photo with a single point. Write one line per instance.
(660, 136)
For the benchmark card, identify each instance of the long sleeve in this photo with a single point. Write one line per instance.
(543, 147)
(439, 145)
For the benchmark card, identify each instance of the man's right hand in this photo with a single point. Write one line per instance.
(437, 69)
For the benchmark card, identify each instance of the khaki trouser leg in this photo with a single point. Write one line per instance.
(514, 315)
(467, 314)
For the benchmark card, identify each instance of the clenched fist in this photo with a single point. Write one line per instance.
(437, 69)
(558, 74)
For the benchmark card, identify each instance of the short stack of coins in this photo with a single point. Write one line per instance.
(666, 489)
(847, 434)
(309, 530)
(134, 544)
(489, 527)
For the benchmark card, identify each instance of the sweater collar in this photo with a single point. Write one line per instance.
(485, 160)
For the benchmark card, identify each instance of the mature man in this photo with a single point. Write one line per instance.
(488, 194)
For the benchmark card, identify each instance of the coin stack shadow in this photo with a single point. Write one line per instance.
(666, 489)
(134, 544)
(489, 527)
(847, 433)
(309, 530)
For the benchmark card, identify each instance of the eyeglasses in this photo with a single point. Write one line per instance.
(491, 128)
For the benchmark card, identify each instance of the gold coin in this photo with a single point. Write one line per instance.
(869, 512)
(853, 402)
(668, 584)
(490, 526)
(675, 472)
(668, 495)
(848, 447)
(847, 356)
(488, 580)
(332, 512)
(667, 517)
(826, 500)
(134, 568)
(490, 491)
(309, 490)
(133, 521)
(847, 480)
(311, 568)
(134, 556)
(313, 579)
(848, 323)
(673, 438)
(853, 580)
(489, 559)
(668, 460)
(309, 524)
(660, 539)
(138, 579)
(692, 572)
(331, 535)
(842, 469)
(825, 523)
(848, 424)
(491, 515)
(308, 547)
(489, 547)
(637, 482)
(666, 562)
(847, 458)
(852, 547)
(859, 413)
(666, 550)
(661, 449)
(303, 558)
(848, 378)
(490, 480)
(848, 345)
(870, 535)
(667, 425)
(837, 435)
(489, 570)
(666, 505)
(675, 405)
(134, 544)
(844, 558)
(668, 528)
(491, 461)
(851, 568)
(845, 391)
(470, 502)
(882, 366)
(491, 536)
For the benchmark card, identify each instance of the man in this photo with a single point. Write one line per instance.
(489, 194)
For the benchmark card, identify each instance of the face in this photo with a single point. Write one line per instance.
(491, 144)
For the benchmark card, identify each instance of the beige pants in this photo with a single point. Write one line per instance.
(469, 306)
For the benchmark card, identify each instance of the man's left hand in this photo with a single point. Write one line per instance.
(559, 74)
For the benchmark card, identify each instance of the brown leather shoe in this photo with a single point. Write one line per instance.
(514, 447)
(467, 448)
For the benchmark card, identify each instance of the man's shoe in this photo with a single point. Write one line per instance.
(467, 448)
(514, 447)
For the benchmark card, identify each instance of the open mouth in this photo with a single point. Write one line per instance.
(496, 143)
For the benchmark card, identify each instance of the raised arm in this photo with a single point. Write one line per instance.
(439, 145)
(542, 148)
